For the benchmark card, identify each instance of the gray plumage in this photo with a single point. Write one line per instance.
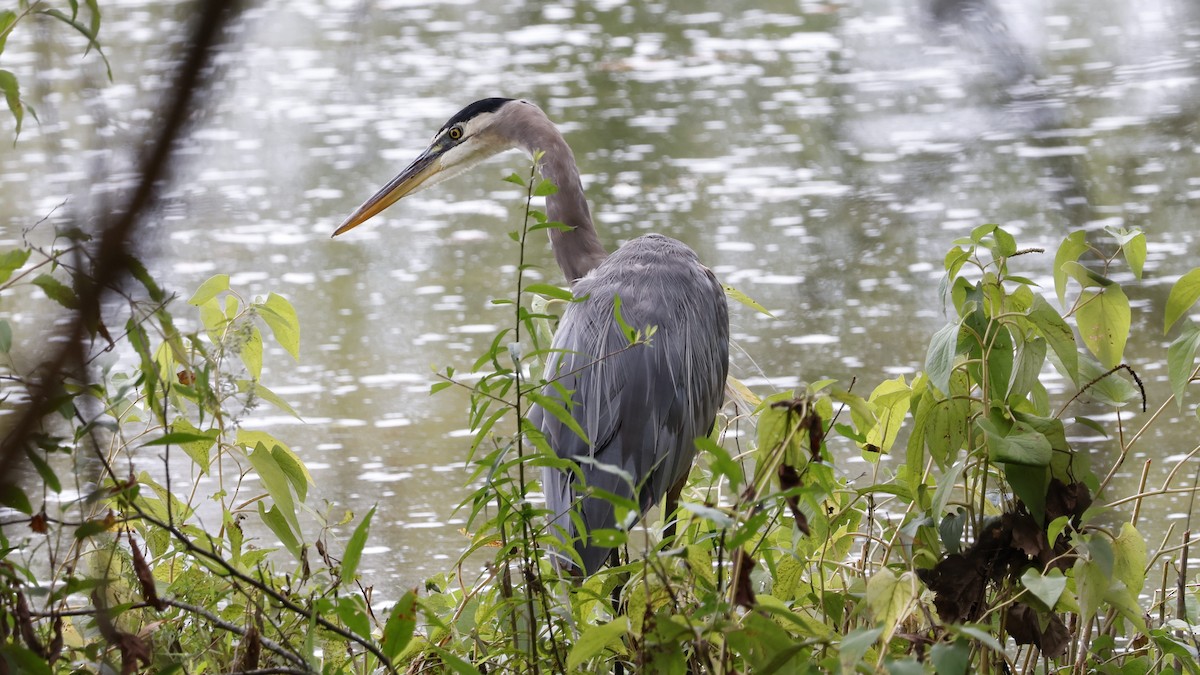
(641, 408)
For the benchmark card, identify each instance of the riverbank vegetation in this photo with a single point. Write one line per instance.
(950, 520)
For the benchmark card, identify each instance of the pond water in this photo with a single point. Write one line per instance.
(819, 156)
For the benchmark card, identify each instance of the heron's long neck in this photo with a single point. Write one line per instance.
(577, 250)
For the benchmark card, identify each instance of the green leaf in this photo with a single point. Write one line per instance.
(454, 663)
(280, 316)
(1111, 389)
(1184, 294)
(297, 474)
(14, 497)
(12, 261)
(12, 94)
(1181, 361)
(890, 599)
(1021, 445)
(939, 360)
(855, 645)
(57, 291)
(18, 659)
(1005, 246)
(594, 640)
(550, 290)
(401, 623)
(198, 445)
(1129, 562)
(515, 179)
(251, 353)
(257, 389)
(1069, 251)
(7, 19)
(275, 480)
(209, 289)
(1135, 253)
(86, 31)
(889, 403)
(1104, 319)
(950, 658)
(275, 520)
(179, 437)
(354, 548)
(545, 188)
(1058, 334)
(1046, 588)
(746, 300)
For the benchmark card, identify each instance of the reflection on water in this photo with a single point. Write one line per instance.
(819, 156)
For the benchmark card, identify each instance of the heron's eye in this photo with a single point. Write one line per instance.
(455, 133)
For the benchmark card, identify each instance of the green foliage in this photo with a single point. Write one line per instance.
(142, 571)
(979, 540)
(10, 20)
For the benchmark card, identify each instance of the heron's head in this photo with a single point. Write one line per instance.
(473, 134)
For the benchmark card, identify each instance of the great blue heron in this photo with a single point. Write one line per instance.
(641, 408)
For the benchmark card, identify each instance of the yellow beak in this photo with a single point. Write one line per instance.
(410, 180)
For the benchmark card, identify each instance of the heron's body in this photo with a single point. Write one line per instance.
(641, 407)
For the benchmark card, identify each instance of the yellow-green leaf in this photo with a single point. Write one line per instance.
(280, 316)
(594, 640)
(890, 599)
(1183, 295)
(1104, 320)
(209, 289)
(746, 300)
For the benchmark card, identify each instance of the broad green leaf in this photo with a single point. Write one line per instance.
(14, 497)
(889, 402)
(746, 300)
(1135, 253)
(1104, 319)
(515, 179)
(276, 482)
(1068, 251)
(946, 484)
(1047, 588)
(1031, 354)
(939, 360)
(12, 94)
(1091, 584)
(1058, 334)
(275, 520)
(890, 599)
(1021, 445)
(354, 548)
(594, 640)
(1181, 361)
(12, 261)
(297, 474)
(198, 446)
(7, 19)
(280, 316)
(1005, 246)
(401, 623)
(549, 290)
(1111, 389)
(950, 658)
(1183, 295)
(57, 291)
(545, 188)
(209, 289)
(258, 390)
(18, 659)
(1029, 484)
(251, 353)
(179, 437)
(455, 664)
(855, 645)
(1129, 562)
